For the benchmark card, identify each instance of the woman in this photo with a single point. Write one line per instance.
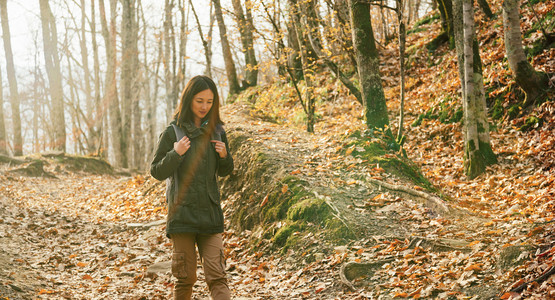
(191, 152)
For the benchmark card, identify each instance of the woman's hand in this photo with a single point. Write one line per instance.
(182, 145)
(220, 148)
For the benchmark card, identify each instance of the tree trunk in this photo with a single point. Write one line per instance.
(402, 39)
(129, 86)
(234, 87)
(169, 75)
(111, 94)
(446, 12)
(477, 146)
(10, 69)
(307, 67)
(294, 57)
(246, 30)
(99, 112)
(533, 83)
(205, 45)
(368, 65)
(183, 38)
(89, 100)
(3, 144)
(52, 60)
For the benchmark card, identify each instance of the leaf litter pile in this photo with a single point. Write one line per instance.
(84, 236)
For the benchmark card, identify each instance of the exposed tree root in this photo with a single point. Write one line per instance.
(433, 202)
(353, 270)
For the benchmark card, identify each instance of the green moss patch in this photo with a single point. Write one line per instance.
(447, 111)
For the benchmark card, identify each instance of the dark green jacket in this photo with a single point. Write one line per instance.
(197, 206)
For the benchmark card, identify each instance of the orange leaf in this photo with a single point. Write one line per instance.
(82, 264)
(43, 291)
(349, 151)
(87, 277)
(264, 201)
(509, 295)
(401, 295)
(284, 189)
(474, 267)
(297, 171)
(473, 243)
(73, 256)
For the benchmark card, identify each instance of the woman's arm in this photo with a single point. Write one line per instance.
(166, 160)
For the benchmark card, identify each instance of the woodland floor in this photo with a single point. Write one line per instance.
(83, 236)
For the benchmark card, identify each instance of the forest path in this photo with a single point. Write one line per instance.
(83, 236)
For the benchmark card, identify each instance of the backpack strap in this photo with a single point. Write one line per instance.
(179, 134)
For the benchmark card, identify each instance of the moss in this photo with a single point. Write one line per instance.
(283, 234)
(531, 122)
(338, 232)
(374, 150)
(310, 210)
(427, 20)
(278, 202)
(513, 111)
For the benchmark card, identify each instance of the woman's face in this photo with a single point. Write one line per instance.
(202, 102)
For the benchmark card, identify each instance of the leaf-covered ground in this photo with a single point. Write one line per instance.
(83, 236)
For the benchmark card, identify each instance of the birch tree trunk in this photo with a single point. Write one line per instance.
(130, 90)
(533, 83)
(89, 99)
(230, 70)
(99, 110)
(477, 147)
(111, 93)
(10, 69)
(246, 31)
(3, 144)
(52, 60)
(368, 65)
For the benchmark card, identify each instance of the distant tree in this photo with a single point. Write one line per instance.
(52, 60)
(402, 40)
(100, 110)
(246, 29)
(230, 70)
(10, 69)
(375, 109)
(445, 8)
(3, 144)
(111, 94)
(169, 62)
(131, 114)
(89, 97)
(307, 67)
(477, 147)
(533, 83)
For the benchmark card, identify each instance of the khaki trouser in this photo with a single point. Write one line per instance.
(184, 264)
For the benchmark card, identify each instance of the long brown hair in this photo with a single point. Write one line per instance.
(197, 84)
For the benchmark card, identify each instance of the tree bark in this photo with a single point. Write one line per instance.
(131, 118)
(169, 75)
(99, 112)
(89, 99)
(307, 68)
(246, 29)
(445, 8)
(230, 70)
(477, 147)
(3, 144)
(10, 69)
(533, 83)
(52, 60)
(402, 39)
(368, 65)
(183, 38)
(111, 94)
